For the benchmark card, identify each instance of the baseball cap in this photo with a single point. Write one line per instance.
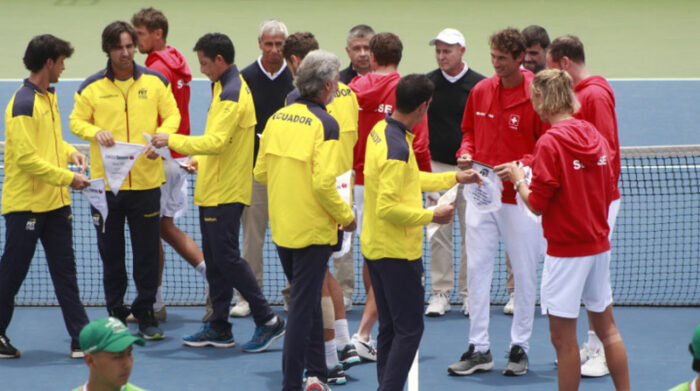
(450, 37)
(108, 335)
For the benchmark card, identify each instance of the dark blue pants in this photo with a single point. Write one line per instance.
(55, 230)
(305, 269)
(141, 210)
(226, 269)
(399, 293)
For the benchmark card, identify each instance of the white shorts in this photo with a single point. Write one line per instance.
(568, 281)
(173, 193)
(613, 210)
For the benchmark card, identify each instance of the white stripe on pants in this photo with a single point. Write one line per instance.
(523, 240)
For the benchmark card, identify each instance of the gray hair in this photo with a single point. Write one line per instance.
(272, 27)
(317, 68)
(359, 31)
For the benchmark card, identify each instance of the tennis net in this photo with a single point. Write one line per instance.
(655, 256)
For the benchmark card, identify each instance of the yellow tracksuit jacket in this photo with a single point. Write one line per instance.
(226, 148)
(36, 157)
(392, 226)
(298, 162)
(148, 107)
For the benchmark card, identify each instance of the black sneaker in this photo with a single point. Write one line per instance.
(6, 348)
(348, 356)
(470, 362)
(121, 313)
(148, 326)
(517, 362)
(75, 351)
(336, 375)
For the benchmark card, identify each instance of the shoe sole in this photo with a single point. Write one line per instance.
(365, 356)
(476, 368)
(512, 373)
(267, 345)
(434, 314)
(337, 380)
(10, 355)
(238, 315)
(351, 362)
(595, 374)
(77, 354)
(201, 344)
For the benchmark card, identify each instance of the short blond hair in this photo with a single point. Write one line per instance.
(555, 86)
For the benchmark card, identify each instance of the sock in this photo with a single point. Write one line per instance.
(331, 354)
(271, 321)
(342, 335)
(159, 299)
(202, 269)
(594, 342)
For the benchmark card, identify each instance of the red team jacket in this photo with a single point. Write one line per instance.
(573, 185)
(376, 97)
(171, 63)
(493, 134)
(598, 107)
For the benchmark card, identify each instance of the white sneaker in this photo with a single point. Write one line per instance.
(314, 384)
(465, 306)
(347, 302)
(596, 365)
(439, 304)
(240, 310)
(586, 353)
(365, 349)
(508, 308)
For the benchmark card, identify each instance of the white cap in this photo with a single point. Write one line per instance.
(450, 37)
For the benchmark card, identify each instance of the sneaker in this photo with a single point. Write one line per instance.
(595, 366)
(148, 326)
(365, 349)
(240, 310)
(465, 306)
(336, 375)
(508, 308)
(75, 351)
(314, 384)
(439, 304)
(347, 302)
(161, 315)
(130, 319)
(121, 313)
(586, 352)
(206, 336)
(6, 348)
(471, 362)
(264, 336)
(286, 304)
(349, 357)
(517, 362)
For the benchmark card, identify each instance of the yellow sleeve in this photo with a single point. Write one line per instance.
(168, 112)
(217, 133)
(324, 171)
(81, 119)
(260, 169)
(433, 182)
(70, 150)
(27, 158)
(389, 206)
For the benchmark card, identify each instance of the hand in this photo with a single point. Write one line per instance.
(469, 176)
(160, 140)
(464, 162)
(350, 227)
(443, 214)
(190, 166)
(79, 182)
(150, 153)
(509, 172)
(79, 160)
(105, 138)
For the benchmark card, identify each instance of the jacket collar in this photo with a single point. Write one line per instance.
(109, 73)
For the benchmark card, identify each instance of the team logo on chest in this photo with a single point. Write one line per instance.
(514, 121)
(143, 93)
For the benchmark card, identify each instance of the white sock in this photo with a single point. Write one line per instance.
(594, 342)
(202, 269)
(342, 335)
(331, 354)
(159, 299)
(271, 321)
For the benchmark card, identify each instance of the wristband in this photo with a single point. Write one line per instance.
(517, 183)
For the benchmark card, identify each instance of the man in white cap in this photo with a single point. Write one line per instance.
(453, 81)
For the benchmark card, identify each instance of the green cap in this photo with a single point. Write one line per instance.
(108, 335)
(695, 343)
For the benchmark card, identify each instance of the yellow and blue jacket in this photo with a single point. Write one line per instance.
(225, 151)
(101, 105)
(298, 162)
(392, 226)
(36, 157)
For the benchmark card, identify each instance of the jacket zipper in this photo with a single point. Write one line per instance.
(55, 142)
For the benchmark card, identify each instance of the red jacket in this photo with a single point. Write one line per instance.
(171, 63)
(376, 97)
(493, 134)
(572, 185)
(598, 107)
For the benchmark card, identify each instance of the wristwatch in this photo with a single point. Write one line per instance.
(517, 183)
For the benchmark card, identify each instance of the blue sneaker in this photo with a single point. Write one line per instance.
(264, 336)
(206, 336)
